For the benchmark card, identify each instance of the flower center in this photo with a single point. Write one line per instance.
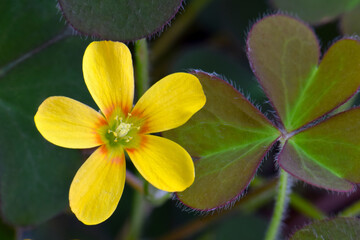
(122, 129)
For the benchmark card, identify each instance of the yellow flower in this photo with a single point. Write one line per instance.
(108, 72)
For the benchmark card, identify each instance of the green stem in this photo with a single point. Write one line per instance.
(297, 202)
(142, 84)
(351, 211)
(137, 216)
(141, 67)
(280, 206)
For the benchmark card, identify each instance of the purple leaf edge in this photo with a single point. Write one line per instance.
(232, 201)
(351, 190)
(354, 38)
(251, 61)
(293, 232)
(97, 35)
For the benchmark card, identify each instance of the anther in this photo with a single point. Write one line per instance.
(128, 139)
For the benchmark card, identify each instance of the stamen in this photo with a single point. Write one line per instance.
(114, 133)
(122, 128)
(128, 139)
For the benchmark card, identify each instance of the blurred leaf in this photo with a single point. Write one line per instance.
(25, 25)
(230, 137)
(319, 11)
(6, 232)
(337, 228)
(284, 53)
(327, 154)
(35, 175)
(125, 20)
(247, 227)
(349, 23)
(165, 219)
(212, 60)
(67, 226)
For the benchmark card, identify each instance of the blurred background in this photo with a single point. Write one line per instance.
(40, 57)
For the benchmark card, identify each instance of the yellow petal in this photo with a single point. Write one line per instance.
(108, 73)
(170, 102)
(68, 123)
(163, 163)
(97, 186)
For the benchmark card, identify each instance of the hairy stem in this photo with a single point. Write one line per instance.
(280, 206)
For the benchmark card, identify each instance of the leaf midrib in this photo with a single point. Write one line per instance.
(300, 149)
(236, 159)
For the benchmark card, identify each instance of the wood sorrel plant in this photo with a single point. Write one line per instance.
(229, 137)
(40, 57)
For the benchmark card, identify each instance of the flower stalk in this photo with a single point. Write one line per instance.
(142, 84)
(280, 207)
(142, 81)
